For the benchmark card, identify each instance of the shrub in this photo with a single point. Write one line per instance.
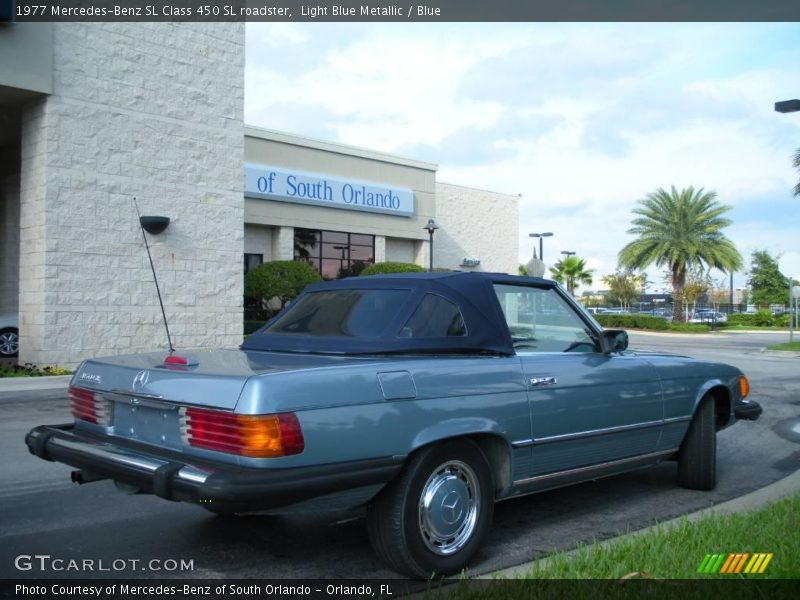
(762, 318)
(31, 370)
(633, 322)
(279, 280)
(392, 267)
(647, 322)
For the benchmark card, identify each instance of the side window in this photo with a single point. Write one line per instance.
(541, 321)
(435, 317)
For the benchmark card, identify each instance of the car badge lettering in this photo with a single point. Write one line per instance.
(90, 377)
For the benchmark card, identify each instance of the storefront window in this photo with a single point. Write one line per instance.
(334, 254)
(251, 261)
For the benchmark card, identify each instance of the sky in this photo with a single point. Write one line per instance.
(581, 119)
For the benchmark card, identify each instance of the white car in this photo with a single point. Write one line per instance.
(709, 316)
(9, 335)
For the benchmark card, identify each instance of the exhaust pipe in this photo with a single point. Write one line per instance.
(81, 477)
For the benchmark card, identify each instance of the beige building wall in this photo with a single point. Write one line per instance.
(399, 250)
(475, 224)
(152, 111)
(258, 240)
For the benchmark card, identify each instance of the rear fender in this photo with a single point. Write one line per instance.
(485, 432)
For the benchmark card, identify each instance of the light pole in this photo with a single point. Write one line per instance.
(787, 106)
(568, 253)
(541, 245)
(430, 228)
(730, 296)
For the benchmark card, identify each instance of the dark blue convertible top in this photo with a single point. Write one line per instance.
(484, 332)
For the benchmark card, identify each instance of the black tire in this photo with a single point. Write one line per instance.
(9, 342)
(422, 542)
(697, 457)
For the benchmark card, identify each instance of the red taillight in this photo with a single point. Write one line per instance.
(176, 360)
(258, 436)
(86, 406)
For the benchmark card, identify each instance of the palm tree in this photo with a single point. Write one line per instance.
(680, 230)
(571, 271)
(796, 163)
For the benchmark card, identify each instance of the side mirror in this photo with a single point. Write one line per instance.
(613, 340)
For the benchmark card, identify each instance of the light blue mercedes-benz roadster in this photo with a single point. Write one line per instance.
(425, 398)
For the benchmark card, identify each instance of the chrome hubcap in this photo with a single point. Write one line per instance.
(9, 343)
(448, 508)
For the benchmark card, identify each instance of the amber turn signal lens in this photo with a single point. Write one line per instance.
(744, 386)
(258, 436)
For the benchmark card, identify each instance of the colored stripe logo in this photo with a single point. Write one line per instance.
(735, 563)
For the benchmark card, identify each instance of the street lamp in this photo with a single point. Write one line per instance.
(541, 246)
(787, 106)
(430, 228)
(568, 253)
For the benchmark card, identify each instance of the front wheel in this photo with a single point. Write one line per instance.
(433, 518)
(697, 457)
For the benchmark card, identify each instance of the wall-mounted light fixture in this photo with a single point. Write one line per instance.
(154, 225)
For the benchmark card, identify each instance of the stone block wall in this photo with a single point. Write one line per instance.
(152, 111)
(475, 224)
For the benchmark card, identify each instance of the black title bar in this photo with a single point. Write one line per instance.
(402, 10)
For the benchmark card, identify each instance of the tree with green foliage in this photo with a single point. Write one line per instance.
(767, 284)
(571, 271)
(272, 284)
(679, 230)
(624, 286)
(796, 163)
(697, 284)
(392, 267)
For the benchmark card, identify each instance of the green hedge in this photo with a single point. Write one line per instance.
(392, 267)
(635, 321)
(251, 326)
(281, 279)
(762, 318)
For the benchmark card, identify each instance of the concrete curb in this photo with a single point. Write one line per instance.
(782, 488)
(28, 384)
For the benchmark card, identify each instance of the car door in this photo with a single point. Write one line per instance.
(587, 407)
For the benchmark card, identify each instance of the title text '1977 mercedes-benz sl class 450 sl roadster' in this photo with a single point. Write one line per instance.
(424, 398)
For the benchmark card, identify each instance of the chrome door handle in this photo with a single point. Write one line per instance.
(539, 381)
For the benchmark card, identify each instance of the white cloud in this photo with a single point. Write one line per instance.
(605, 113)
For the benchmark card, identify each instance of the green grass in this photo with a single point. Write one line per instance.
(785, 346)
(676, 552)
(644, 561)
(31, 370)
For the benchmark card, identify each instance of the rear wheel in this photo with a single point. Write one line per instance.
(697, 457)
(433, 518)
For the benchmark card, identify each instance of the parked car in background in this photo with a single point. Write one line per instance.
(9, 335)
(422, 398)
(708, 316)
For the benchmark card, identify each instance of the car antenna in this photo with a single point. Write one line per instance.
(155, 279)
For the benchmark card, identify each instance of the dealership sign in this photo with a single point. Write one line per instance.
(288, 185)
